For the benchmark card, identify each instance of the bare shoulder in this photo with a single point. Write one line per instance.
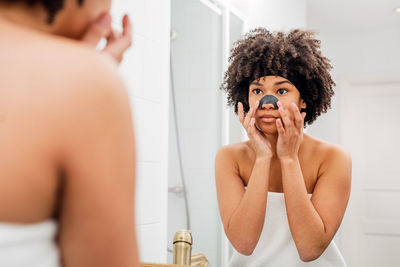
(234, 152)
(81, 92)
(63, 82)
(328, 154)
(59, 65)
(84, 69)
(328, 149)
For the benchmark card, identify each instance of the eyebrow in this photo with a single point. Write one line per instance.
(277, 83)
(256, 83)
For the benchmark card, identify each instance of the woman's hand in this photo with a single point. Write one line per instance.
(117, 43)
(258, 140)
(290, 130)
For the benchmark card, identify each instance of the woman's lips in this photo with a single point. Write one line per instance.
(268, 118)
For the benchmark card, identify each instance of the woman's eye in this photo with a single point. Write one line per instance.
(282, 91)
(257, 91)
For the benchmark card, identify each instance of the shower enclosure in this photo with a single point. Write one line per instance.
(202, 33)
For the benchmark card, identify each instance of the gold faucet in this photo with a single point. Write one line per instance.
(183, 241)
(182, 247)
(144, 264)
(199, 260)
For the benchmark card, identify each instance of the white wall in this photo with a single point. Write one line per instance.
(277, 15)
(353, 53)
(373, 52)
(196, 56)
(146, 71)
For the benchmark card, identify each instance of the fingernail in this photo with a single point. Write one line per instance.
(104, 20)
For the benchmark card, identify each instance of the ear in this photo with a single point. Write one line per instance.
(303, 104)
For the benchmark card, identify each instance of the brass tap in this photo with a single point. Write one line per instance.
(199, 260)
(183, 247)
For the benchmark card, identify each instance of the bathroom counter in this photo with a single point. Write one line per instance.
(144, 264)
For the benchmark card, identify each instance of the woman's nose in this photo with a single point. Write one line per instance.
(268, 106)
(268, 102)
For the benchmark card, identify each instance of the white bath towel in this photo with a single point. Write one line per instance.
(29, 245)
(276, 247)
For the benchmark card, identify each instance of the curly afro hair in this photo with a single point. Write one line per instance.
(51, 6)
(295, 56)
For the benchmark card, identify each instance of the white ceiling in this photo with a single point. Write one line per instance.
(352, 15)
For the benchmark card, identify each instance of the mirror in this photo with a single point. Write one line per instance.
(195, 124)
(361, 38)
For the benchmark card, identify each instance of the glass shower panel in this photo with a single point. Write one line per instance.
(196, 59)
(236, 132)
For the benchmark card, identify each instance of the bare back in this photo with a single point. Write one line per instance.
(67, 146)
(29, 84)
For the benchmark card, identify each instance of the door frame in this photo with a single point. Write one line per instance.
(347, 82)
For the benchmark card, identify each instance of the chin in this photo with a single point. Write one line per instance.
(268, 128)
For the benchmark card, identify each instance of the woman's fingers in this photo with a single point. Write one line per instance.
(99, 29)
(285, 119)
(251, 113)
(127, 27)
(117, 44)
(298, 120)
(241, 113)
(252, 131)
(279, 126)
(251, 127)
(248, 117)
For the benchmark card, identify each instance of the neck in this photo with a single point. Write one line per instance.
(273, 139)
(21, 14)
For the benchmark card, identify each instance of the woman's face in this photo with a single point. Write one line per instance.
(73, 20)
(279, 87)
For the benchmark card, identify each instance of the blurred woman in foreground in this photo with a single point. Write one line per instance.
(67, 158)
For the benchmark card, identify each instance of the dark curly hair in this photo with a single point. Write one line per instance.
(295, 56)
(51, 6)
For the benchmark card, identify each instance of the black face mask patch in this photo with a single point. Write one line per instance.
(268, 99)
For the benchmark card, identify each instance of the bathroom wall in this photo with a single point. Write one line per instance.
(146, 71)
(197, 71)
(277, 15)
(354, 52)
(363, 44)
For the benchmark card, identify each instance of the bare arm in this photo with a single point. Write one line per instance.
(313, 223)
(242, 211)
(97, 224)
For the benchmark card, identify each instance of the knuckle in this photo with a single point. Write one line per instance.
(129, 42)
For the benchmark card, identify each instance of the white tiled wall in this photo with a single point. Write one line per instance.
(196, 56)
(277, 15)
(145, 70)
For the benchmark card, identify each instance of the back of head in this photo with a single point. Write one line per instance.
(51, 6)
(69, 18)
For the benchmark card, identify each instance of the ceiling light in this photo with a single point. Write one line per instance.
(397, 9)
